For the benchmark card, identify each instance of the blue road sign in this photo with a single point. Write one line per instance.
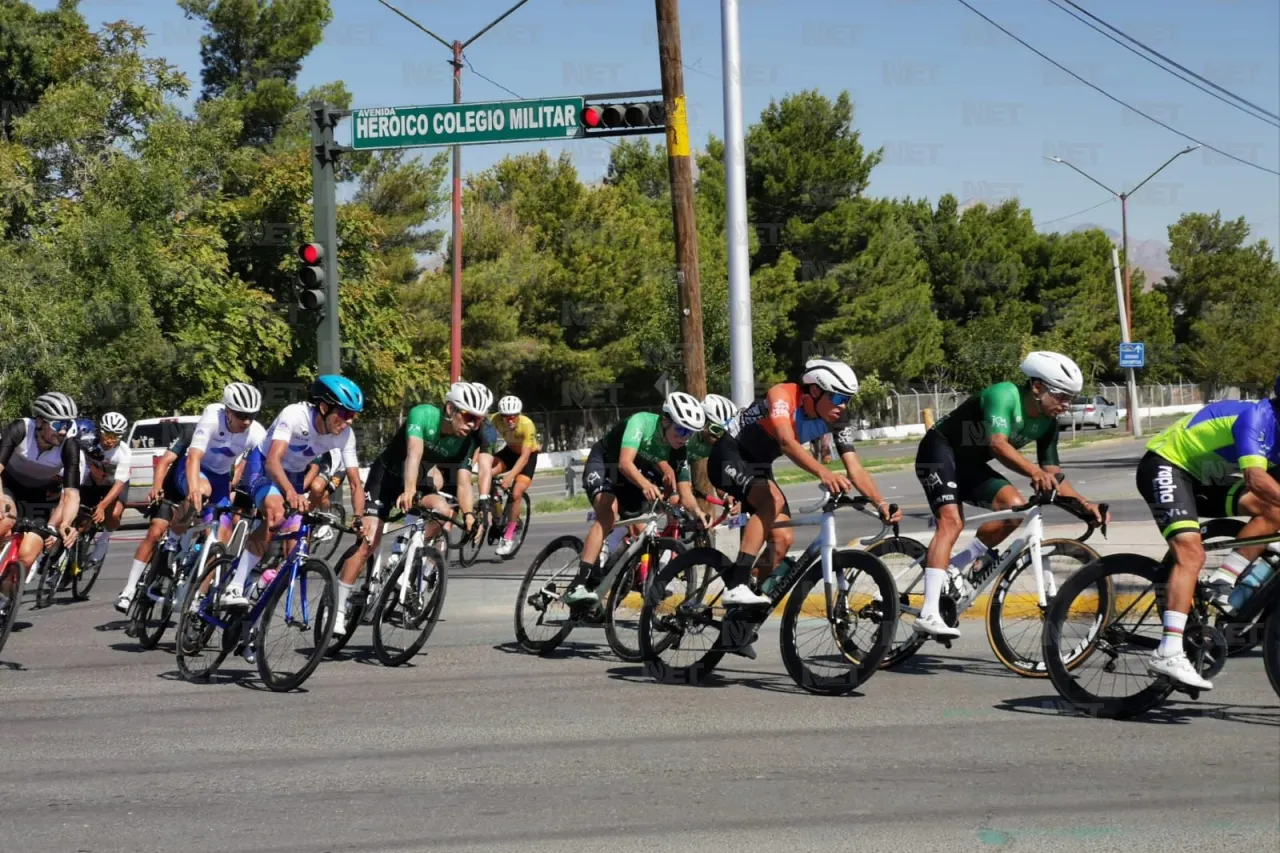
(1133, 355)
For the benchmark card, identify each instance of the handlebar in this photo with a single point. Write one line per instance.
(1071, 505)
(833, 502)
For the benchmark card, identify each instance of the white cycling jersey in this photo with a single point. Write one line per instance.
(25, 464)
(114, 465)
(296, 425)
(221, 446)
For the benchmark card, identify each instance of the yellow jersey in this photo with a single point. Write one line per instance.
(523, 434)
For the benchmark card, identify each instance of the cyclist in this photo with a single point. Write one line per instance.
(34, 455)
(275, 468)
(623, 472)
(1188, 472)
(198, 473)
(789, 416)
(952, 466)
(324, 475)
(719, 411)
(105, 463)
(515, 462)
(431, 436)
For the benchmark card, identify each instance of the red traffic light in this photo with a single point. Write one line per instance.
(591, 116)
(311, 253)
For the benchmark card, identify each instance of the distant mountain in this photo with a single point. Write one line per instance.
(1150, 256)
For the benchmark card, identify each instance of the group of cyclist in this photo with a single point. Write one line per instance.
(1188, 472)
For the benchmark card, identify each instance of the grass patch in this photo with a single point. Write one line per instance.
(577, 502)
(792, 476)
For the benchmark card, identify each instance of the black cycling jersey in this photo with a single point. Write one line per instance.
(25, 464)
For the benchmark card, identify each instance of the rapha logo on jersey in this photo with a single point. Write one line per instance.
(1164, 484)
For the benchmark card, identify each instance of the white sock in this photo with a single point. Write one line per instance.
(248, 560)
(1171, 642)
(100, 546)
(975, 550)
(344, 592)
(935, 580)
(135, 575)
(1231, 569)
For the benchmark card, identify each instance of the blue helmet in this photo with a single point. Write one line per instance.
(86, 432)
(337, 391)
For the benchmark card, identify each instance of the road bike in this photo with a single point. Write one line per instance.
(490, 524)
(1124, 633)
(11, 577)
(552, 573)
(302, 591)
(63, 566)
(176, 561)
(1013, 614)
(404, 593)
(848, 593)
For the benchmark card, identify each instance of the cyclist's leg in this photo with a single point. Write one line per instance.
(1170, 493)
(1264, 520)
(381, 492)
(38, 506)
(268, 498)
(751, 483)
(938, 472)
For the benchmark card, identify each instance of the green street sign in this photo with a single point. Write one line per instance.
(466, 124)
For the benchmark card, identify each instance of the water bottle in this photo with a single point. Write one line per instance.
(264, 580)
(772, 581)
(1256, 575)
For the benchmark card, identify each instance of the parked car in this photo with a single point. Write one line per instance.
(148, 440)
(1097, 412)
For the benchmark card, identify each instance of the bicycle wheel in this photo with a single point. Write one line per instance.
(87, 570)
(682, 613)
(1270, 649)
(865, 616)
(1018, 644)
(300, 595)
(626, 597)
(199, 654)
(543, 589)
(10, 599)
(356, 606)
(1125, 636)
(522, 525)
(411, 601)
(52, 567)
(1240, 637)
(151, 616)
(904, 557)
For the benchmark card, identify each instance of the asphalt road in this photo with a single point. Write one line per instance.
(477, 746)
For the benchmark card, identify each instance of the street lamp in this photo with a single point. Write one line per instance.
(1124, 220)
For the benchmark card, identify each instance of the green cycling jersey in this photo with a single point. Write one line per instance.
(642, 432)
(693, 451)
(439, 447)
(998, 410)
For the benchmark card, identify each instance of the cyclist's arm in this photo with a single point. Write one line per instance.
(627, 466)
(485, 472)
(357, 493)
(997, 412)
(194, 456)
(162, 467)
(14, 434)
(687, 499)
(1255, 434)
(309, 476)
(275, 468)
(414, 448)
(861, 477)
(785, 432)
(238, 471)
(69, 501)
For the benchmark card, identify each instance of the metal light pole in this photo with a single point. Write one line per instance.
(741, 370)
(455, 49)
(1126, 304)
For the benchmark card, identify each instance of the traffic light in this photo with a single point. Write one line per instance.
(624, 119)
(311, 275)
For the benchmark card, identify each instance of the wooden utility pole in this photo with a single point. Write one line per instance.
(680, 163)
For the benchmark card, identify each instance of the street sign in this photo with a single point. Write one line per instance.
(1133, 355)
(466, 124)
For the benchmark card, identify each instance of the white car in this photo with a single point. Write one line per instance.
(148, 439)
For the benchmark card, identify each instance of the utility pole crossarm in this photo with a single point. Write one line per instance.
(494, 23)
(416, 24)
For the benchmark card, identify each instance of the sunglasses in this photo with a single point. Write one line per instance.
(1060, 396)
(682, 432)
(61, 426)
(344, 413)
(470, 418)
(838, 399)
(240, 416)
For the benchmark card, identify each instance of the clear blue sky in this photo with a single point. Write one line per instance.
(958, 106)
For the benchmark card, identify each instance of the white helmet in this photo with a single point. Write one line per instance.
(510, 405)
(242, 397)
(486, 396)
(114, 422)
(830, 375)
(685, 411)
(467, 397)
(719, 410)
(54, 406)
(1055, 370)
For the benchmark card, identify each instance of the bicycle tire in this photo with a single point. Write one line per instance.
(862, 662)
(526, 642)
(12, 577)
(46, 589)
(522, 526)
(1270, 649)
(1063, 679)
(183, 641)
(84, 579)
(623, 586)
(147, 630)
(425, 621)
(1023, 664)
(469, 549)
(658, 669)
(354, 615)
(325, 552)
(323, 574)
(903, 648)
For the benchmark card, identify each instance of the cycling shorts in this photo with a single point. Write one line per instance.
(733, 470)
(600, 477)
(949, 479)
(509, 456)
(1178, 501)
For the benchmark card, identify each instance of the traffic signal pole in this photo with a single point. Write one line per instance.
(741, 370)
(680, 164)
(325, 232)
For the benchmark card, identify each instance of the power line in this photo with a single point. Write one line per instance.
(1144, 57)
(1077, 213)
(488, 80)
(1112, 97)
(1171, 62)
